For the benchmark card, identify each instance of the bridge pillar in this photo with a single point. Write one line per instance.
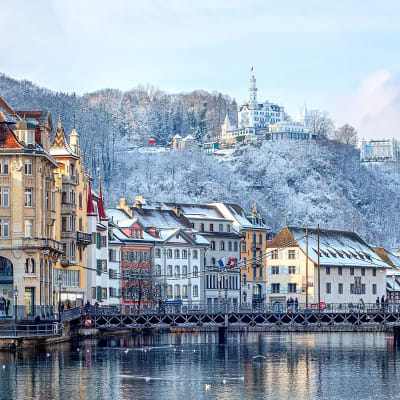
(222, 335)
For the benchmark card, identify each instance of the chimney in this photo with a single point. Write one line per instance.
(124, 207)
(177, 210)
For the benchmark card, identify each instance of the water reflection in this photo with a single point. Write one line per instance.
(251, 365)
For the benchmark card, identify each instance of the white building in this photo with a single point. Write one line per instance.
(254, 118)
(114, 264)
(349, 268)
(288, 130)
(188, 142)
(97, 278)
(379, 150)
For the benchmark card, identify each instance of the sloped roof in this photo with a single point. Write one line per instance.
(90, 207)
(60, 145)
(160, 219)
(337, 248)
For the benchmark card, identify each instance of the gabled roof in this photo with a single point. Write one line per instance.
(60, 146)
(387, 257)
(337, 248)
(160, 219)
(90, 211)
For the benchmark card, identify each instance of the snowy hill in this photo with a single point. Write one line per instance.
(314, 182)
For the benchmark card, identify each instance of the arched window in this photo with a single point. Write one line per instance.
(177, 271)
(169, 271)
(184, 253)
(169, 291)
(27, 266)
(169, 253)
(176, 253)
(195, 291)
(158, 253)
(254, 238)
(230, 246)
(195, 271)
(184, 271)
(212, 245)
(222, 245)
(177, 290)
(32, 265)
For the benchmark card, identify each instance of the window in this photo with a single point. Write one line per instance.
(201, 227)
(374, 273)
(28, 167)
(328, 288)
(177, 291)
(4, 228)
(184, 291)
(169, 271)
(158, 253)
(212, 245)
(28, 197)
(176, 254)
(103, 293)
(363, 288)
(274, 255)
(222, 245)
(260, 238)
(169, 291)
(363, 271)
(235, 246)
(292, 269)
(352, 271)
(103, 238)
(328, 270)
(169, 253)
(228, 228)
(211, 227)
(212, 261)
(80, 200)
(195, 254)
(4, 197)
(184, 253)
(229, 246)
(184, 271)
(292, 287)
(275, 287)
(374, 288)
(244, 279)
(4, 166)
(220, 227)
(352, 288)
(254, 273)
(244, 246)
(340, 288)
(275, 270)
(29, 137)
(340, 271)
(177, 271)
(291, 254)
(29, 228)
(195, 291)
(195, 271)
(260, 272)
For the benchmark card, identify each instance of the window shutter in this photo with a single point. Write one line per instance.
(98, 267)
(98, 293)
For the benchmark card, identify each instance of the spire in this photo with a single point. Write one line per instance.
(74, 141)
(100, 206)
(254, 211)
(89, 207)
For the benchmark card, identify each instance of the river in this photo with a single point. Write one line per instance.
(194, 366)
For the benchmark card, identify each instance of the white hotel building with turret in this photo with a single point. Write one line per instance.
(264, 121)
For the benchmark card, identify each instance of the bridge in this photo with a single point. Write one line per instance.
(333, 315)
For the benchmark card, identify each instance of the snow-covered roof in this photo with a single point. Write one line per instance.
(177, 136)
(201, 211)
(126, 223)
(160, 219)
(337, 248)
(116, 214)
(189, 137)
(392, 284)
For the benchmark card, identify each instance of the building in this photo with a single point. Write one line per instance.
(253, 262)
(288, 130)
(71, 184)
(379, 150)
(114, 264)
(254, 119)
(349, 268)
(28, 205)
(188, 142)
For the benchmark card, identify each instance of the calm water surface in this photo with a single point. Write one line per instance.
(195, 366)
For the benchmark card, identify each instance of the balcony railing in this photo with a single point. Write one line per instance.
(68, 208)
(83, 237)
(42, 243)
(67, 261)
(70, 180)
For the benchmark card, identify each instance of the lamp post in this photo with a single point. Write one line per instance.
(59, 280)
(15, 309)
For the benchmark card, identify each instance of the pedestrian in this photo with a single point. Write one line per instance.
(361, 305)
(288, 305)
(386, 304)
(377, 302)
(296, 305)
(62, 307)
(383, 302)
(2, 304)
(7, 306)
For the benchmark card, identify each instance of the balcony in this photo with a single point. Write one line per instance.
(70, 180)
(67, 235)
(83, 237)
(42, 243)
(67, 261)
(68, 209)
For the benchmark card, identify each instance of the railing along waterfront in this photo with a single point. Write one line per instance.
(31, 330)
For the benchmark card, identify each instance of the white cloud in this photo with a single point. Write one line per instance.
(374, 108)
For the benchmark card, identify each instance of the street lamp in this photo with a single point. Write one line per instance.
(15, 309)
(59, 280)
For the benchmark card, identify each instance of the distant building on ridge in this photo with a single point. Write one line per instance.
(379, 150)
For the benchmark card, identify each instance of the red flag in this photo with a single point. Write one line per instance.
(251, 69)
(231, 263)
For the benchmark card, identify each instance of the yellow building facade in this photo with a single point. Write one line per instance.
(71, 184)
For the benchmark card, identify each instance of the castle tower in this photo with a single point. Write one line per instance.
(252, 93)
(74, 141)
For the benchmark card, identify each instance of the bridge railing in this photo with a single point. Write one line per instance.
(276, 307)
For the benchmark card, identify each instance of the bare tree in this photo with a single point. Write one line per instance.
(346, 134)
(321, 123)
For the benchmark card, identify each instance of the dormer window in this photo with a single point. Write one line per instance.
(29, 137)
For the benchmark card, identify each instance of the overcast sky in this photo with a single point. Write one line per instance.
(341, 56)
